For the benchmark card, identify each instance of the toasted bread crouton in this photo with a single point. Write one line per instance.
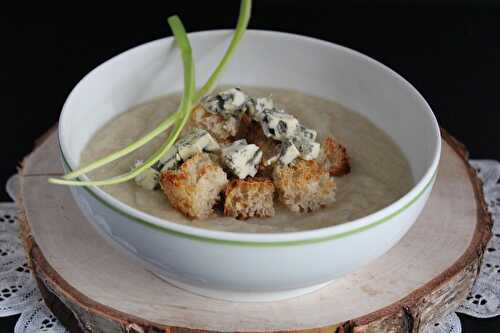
(222, 129)
(256, 135)
(245, 126)
(268, 146)
(194, 188)
(333, 157)
(304, 186)
(252, 197)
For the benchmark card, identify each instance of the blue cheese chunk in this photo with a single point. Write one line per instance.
(170, 160)
(288, 152)
(228, 103)
(257, 106)
(307, 133)
(242, 158)
(198, 140)
(309, 150)
(279, 125)
(148, 179)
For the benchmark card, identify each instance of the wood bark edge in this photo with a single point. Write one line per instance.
(410, 314)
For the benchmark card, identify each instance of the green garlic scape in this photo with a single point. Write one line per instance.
(179, 119)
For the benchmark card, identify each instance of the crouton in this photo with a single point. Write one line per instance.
(252, 197)
(304, 186)
(333, 157)
(255, 135)
(268, 146)
(245, 126)
(222, 129)
(194, 187)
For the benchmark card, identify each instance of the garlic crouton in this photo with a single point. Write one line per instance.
(304, 186)
(252, 197)
(194, 188)
(333, 157)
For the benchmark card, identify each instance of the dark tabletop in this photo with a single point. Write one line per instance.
(450, 53)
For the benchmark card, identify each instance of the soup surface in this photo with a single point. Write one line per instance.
(380, 172)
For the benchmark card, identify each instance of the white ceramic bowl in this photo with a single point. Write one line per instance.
(240, 266)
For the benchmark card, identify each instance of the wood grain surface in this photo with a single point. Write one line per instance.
(91, 287)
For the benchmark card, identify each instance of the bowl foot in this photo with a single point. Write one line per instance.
(242, 296)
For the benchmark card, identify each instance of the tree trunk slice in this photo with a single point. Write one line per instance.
(91, 287)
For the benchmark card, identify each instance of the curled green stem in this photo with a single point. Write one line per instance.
(184, 112)
(178, 118)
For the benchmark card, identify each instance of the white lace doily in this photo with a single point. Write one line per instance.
(484, 299)
(20, 295)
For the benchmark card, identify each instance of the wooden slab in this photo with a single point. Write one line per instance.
(93, 288)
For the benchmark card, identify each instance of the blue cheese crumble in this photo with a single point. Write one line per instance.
(304, 141)
(242, 158)
(198, 140)
(307, 133)
(170, 160)
(257, 106)
(228, 103)
(148, 179)
(309, 150)
(288, 152)
(295, 147)
(279, 125)
(296, 139)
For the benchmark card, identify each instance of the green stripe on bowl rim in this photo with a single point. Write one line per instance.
(253, 243)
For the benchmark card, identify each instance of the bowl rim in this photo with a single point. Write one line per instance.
(264, 239)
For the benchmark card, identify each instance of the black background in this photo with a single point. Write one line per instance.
(450, 52)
